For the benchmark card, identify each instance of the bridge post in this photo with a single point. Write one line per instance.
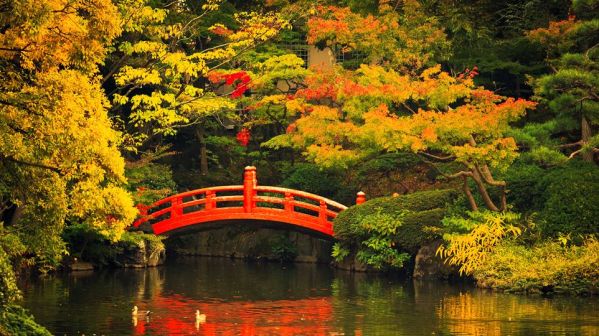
(250, 181)
(360, 198)
(176, 209)
(288, 202)
(209, 205)
(322, 214)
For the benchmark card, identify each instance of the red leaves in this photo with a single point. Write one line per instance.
(240, 80)
(221, 31)
(243, 136)
(291, 128)
(468, 73)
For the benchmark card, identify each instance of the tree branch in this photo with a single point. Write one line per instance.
(31, 164)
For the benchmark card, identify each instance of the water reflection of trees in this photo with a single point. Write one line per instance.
(484, 313)
(271, 299)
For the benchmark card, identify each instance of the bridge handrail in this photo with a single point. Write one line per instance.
(300, 193)
(250, 194)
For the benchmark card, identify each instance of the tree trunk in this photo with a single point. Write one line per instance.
(468, 193)
(203, 153)
(586, 134)
(482, 189)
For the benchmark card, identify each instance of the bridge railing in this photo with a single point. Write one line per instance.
(228, 202)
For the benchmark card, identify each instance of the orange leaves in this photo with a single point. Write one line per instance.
(556, 34)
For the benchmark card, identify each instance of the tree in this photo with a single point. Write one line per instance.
(165, 72)
(571, 91)
(59, 157)
(346, 115)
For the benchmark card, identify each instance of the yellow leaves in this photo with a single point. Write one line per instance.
(61, 33)
(137, 16)
(155, 49)
(211, 5)
(137, 76)
(178, 64)
(470, 250)
(257, 27)
(73, 133)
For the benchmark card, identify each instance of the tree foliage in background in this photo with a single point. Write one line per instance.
(571, 90)
(59, 156)
(394, 104)
(168, 61)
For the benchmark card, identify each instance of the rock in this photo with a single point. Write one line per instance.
(77, 266)
(430, 266)
(140, 255)
(351, 263)
(256, 243)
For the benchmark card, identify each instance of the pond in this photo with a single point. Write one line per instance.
(251, 298)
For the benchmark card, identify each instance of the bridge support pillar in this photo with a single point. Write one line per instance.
(250, 181)
(360, 197)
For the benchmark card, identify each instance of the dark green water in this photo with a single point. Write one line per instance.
(241, 298)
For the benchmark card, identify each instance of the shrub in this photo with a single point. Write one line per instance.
(565, 197)
(548, 267)
(524, 193)
(384, 232)
(571, 203)
(89, 245)
(471, 239)
(16, 321)
(417, 211)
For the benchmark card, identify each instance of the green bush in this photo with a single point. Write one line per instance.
(549, 267)
(88, 245)
(571, 203)
(16, 321)
(417, 211)
(384, 232)
(565, 197)
(524, 193)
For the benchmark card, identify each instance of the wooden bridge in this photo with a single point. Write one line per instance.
(247, 202)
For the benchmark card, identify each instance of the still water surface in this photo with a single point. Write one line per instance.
(241, 298)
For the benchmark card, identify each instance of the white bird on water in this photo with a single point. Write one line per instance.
(200, 318)
(135, 312)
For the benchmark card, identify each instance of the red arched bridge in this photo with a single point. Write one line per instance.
(243, 202)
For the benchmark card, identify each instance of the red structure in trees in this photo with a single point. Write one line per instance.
(243, 202)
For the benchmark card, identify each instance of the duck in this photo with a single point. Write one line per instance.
(135, 312)
(200, 318)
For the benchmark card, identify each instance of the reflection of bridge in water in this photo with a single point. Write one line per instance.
(248, 202)
(309, 316)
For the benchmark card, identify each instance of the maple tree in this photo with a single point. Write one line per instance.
(345, 116)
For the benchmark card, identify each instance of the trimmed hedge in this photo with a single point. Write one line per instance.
(419, 213)
(565, 197)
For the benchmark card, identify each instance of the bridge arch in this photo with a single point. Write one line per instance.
(247, 202)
